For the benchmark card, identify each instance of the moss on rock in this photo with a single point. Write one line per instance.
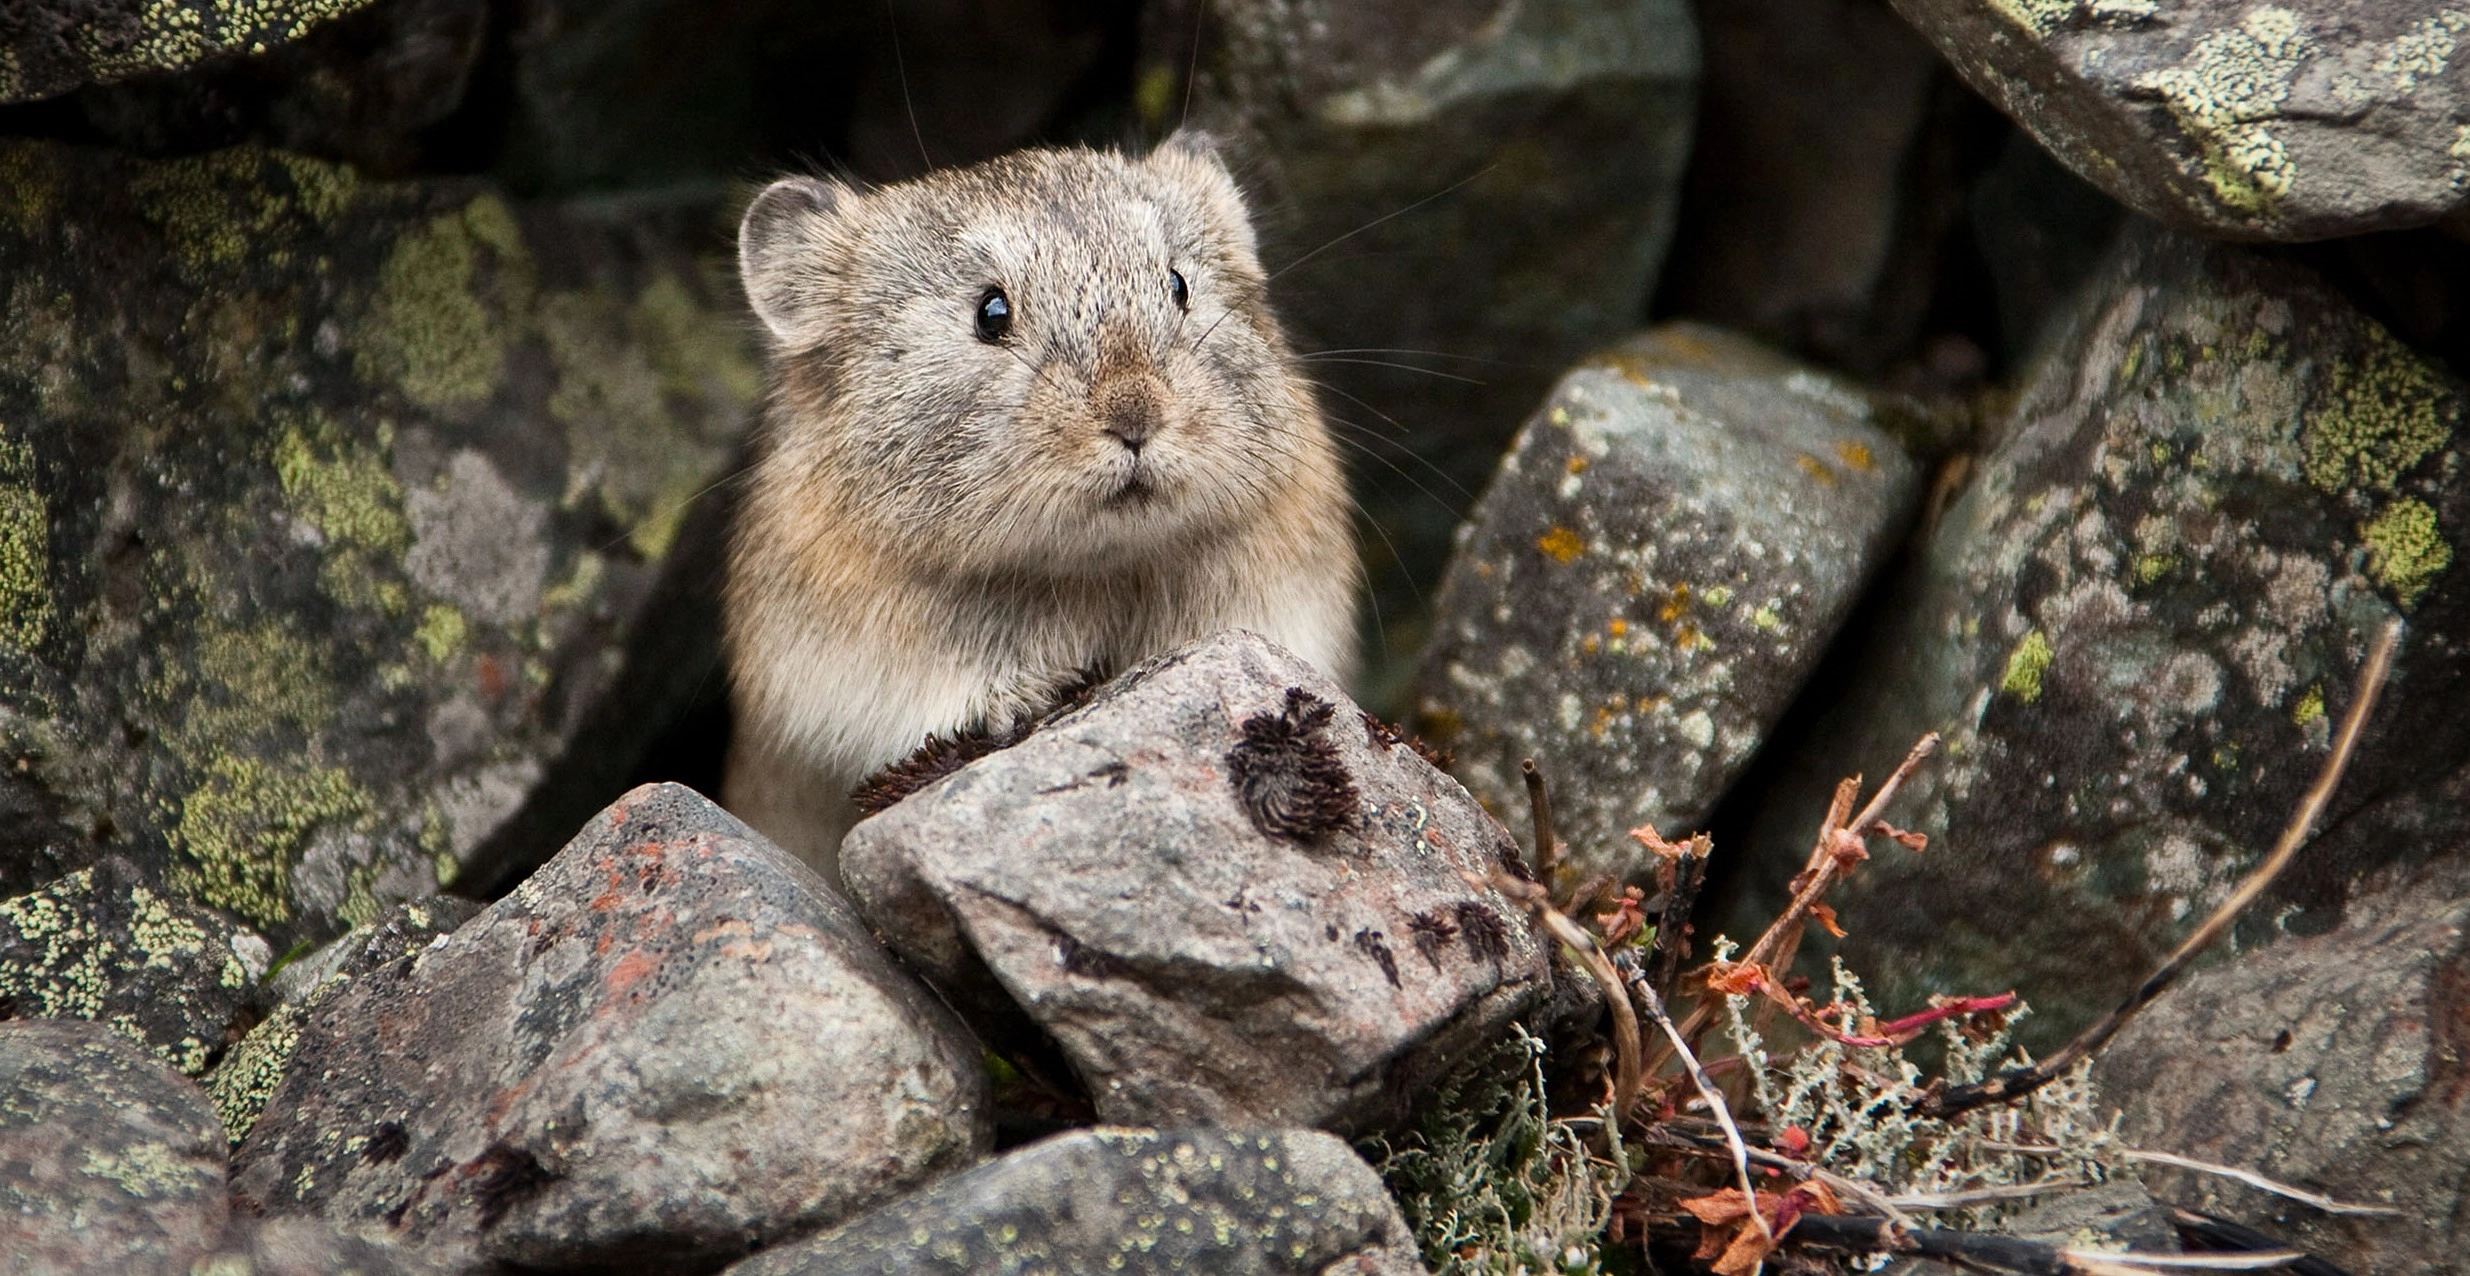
(2382, 414)
(442, 317)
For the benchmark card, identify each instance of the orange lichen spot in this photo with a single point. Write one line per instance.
(1815, 468)
(1687, 637)
(1590, 644)
(1676, 603)
(1562, 543)
(1578, 465)
(1618, 627)
(1856, 454)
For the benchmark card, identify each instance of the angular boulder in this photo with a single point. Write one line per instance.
(2289, 121)
(1282, 1202)
(107, 944)
(2136, 630)
(1230, 896)
(2338, 1062)
(670, 1046)
(335, 522)
(48, 47)
(109, 1160)
(247, 1075)
(1667, 549)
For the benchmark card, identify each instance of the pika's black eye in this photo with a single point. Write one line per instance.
(1177, 288)
(994, 315)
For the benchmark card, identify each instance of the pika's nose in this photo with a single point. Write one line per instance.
(1129, 413)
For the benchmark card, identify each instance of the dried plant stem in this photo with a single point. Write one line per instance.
(2259, 1182)
(2018, 1082)
(1629, 1072)
(1539, 809)
(1707, 1090)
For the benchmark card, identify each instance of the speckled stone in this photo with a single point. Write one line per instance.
(2339, 1062)
(2289, 121)
(1667, 549)
(51, 46)
(244, 1078)
(1104, 877)
(671, 1045)
(335, 520)
(107, 944)
(109, 1160)
(2136, 630)
(1288, 1202)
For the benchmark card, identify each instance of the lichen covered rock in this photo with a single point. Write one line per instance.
(1226, 893)
(1667, 549)
(52, 46)
(330, 515)
(248, 1074)
(2137, 629)
(1282, 1202)
(103, 943)
(109, 1160)
(669, 1046)
(2290, 121)
(2333, 1061)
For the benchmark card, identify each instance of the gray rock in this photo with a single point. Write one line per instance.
(1813, 202)
(2136, 630)
(242, 1082)
(1504, 178)
(2334, 1062)
(1668, 548)
(2290, 121)
(105, 943)
(671, 1045)
(1104, 876)
(305, 1247)
(109, 1160)
(1132, 1201)
(334, 517)
(48, 47)
(358, 89)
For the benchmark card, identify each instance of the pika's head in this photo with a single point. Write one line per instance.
(1056, 360)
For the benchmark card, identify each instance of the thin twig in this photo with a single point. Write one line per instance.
(2095, 1263)
(2017, 1082)
(1539, 808)
(1986, 1195)
(2259, 1182)
(1715, 1100)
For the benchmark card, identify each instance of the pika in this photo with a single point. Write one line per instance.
(1029, 422)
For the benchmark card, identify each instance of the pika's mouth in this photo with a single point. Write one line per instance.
(1136, 492)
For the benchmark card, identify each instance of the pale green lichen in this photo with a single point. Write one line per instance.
(346, 491)
(159, 936)
(245, 825)
(145, 1170)
(2422, 51)
(25, 549)
(246, 1078)
(439, 326)
(2406, 551)
(2227, 93)
(2025, 666)
(64, 978)
(441, 632)
(172, 34)
(2383, 413)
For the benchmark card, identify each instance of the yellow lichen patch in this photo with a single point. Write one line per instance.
(1561, 544)
(2226, 93)
(1676, 603)
(248, 1075)
(2383, 413)
(171, 34)
(147, 1169)
(2152, 567)
(2025, 666)
(2406, 551)
(1857, 455)
(64, 977)
(1767, 620)
(29, 182)
(441, 632)
(25, 549)
(245, 825)
(431, 330)
(345, 490)
(1718, 595)
(1815, 468)
(1577, 464)
(2310, 707)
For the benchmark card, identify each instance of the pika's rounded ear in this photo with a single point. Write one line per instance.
(1192, 143)
(780, 248)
